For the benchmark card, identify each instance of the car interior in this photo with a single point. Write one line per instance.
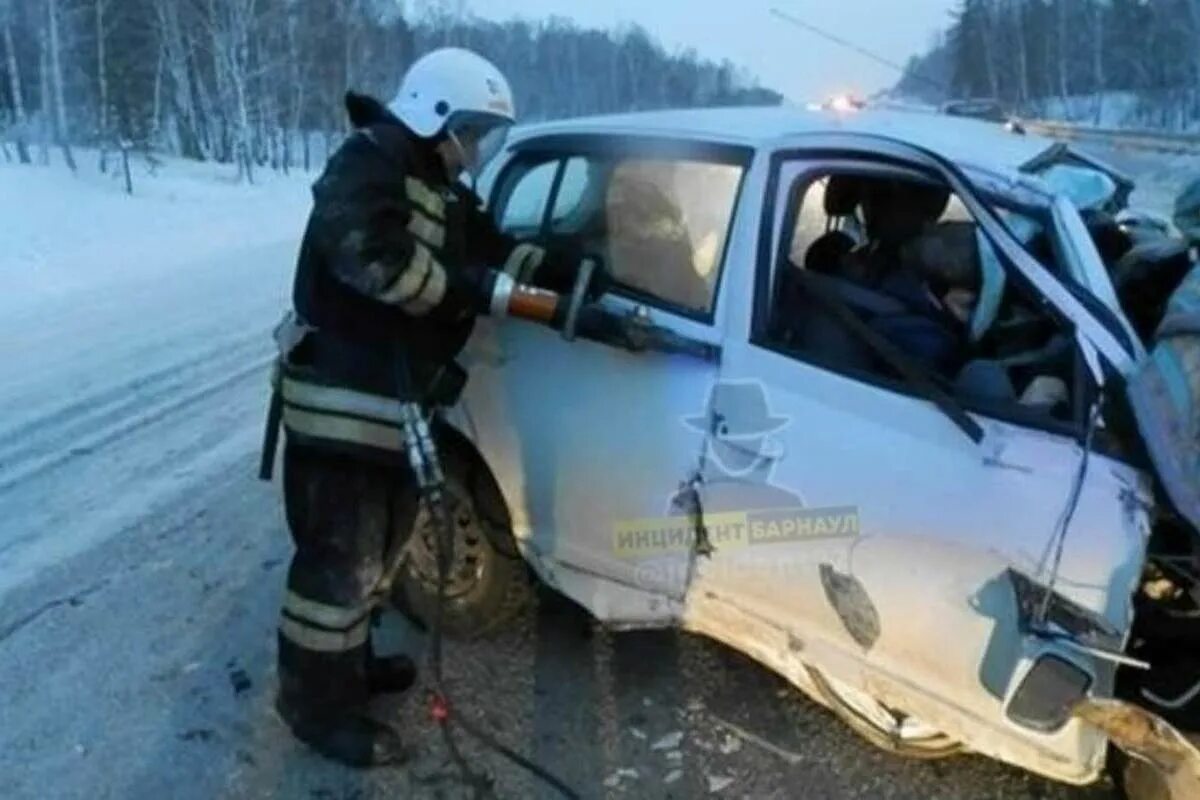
(905, 257)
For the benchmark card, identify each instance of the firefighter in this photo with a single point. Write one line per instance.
(396, 263)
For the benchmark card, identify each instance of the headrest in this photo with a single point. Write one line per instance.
(842, 195)
(825, 254)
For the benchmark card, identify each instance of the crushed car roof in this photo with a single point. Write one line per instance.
(960, 139)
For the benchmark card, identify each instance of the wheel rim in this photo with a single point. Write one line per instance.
(469, 564)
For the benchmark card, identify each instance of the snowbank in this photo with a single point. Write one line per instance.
(62, 233)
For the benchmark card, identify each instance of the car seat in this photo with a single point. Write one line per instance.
(842, 193)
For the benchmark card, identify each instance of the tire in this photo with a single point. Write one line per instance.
(489, 583)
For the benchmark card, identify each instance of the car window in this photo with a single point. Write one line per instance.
(526, 202)
(569, 203)
(659, 225)
(666, 225)
(906, 258)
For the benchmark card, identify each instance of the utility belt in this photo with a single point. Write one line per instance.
(334, 394)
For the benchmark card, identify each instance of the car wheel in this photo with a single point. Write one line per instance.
(887, 729)
(488, 583)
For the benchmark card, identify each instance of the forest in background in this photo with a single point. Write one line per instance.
(1140, 58)
(259, 83)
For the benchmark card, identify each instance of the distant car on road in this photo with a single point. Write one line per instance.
(985, 109)
(977, 108)
(747, 437)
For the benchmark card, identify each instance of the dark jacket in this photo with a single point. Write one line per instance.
(393, 255)
(395, 264)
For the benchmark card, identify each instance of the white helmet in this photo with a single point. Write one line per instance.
(453, 90)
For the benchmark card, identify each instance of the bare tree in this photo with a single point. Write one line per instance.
(232, 30)
(987, 41)
(156, 100)
(14, 81)
(298, 77)
(1016, 11)
(1099, 80)
(60, 104)
(184, 109)
(102, 82)
(44, 94)
(1060, 38)
(1193, 7)
(247, 82)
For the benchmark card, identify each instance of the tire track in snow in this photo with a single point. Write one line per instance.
(81, 426)
(71, 421)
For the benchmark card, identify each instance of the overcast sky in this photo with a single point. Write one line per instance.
(793, 61)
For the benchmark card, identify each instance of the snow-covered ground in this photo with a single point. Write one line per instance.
(1123, 110)
(117, 314)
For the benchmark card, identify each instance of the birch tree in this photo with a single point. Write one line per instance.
(44, 101)
(244, 82)
(1099, 80)
(16, 90)
(1060, 39)
(183, 97)
(61, 130)
(102, 126)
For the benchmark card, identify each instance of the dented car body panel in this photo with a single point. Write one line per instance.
(832, 528)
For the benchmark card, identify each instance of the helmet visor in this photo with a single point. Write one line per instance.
(481, 137)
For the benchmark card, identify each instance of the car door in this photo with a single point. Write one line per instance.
(590, 441)
(858, 520)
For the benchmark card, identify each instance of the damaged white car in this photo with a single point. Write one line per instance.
(898, 405)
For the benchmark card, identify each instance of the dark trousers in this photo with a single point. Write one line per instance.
(343, 513)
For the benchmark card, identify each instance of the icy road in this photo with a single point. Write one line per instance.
(141, 563)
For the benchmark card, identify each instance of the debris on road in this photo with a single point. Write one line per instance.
(669, 742)
(614, 780)
(770, 747)
(240, 681)
(717, 783)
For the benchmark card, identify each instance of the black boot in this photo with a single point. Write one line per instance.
(390, 674)
(323, 699)
(351, 738)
